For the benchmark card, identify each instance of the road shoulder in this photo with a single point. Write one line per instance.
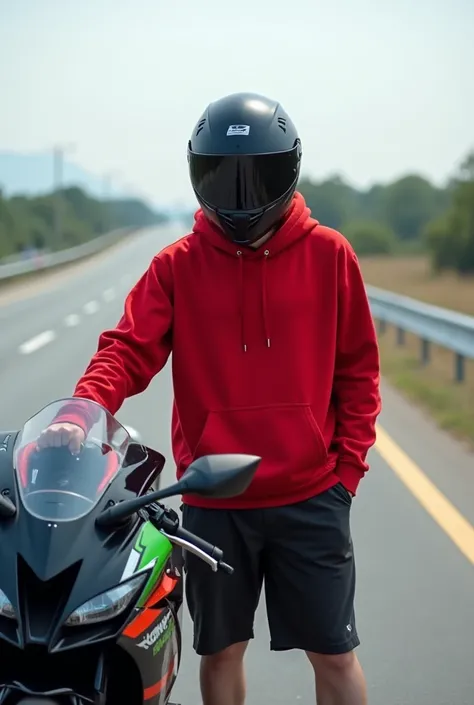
(447, 462)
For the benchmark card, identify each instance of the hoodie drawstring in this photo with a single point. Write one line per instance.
(242, 300)
(266, 329)
(264, 299)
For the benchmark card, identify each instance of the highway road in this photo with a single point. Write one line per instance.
(412, 520)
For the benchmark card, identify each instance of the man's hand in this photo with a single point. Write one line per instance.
(62, 434)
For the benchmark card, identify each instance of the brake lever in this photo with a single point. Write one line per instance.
(166, 520)
(226, 567)
(187, 546)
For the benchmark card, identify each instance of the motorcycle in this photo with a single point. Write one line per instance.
(91, 562)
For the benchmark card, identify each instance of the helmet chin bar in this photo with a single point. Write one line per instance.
(239, 226)
(249, 243)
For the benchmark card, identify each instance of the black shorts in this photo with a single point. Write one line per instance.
(302, 553)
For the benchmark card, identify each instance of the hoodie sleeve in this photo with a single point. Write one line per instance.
(357, 373)
(130, 355)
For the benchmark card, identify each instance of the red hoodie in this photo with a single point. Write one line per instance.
(274, 354)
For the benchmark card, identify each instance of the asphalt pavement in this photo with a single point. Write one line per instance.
(415, 601)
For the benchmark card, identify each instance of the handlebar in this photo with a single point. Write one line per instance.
(167, 521)
(212, 551)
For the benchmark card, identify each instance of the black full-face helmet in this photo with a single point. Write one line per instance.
(244, 161)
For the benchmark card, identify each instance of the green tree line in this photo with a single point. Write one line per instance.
(32, 222)
(408, 215)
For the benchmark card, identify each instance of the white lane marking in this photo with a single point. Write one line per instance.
(39, 341)
(91, 307)
(109, 294)
(72, 320)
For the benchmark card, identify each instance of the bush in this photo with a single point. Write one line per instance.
(450, 239)
(30, 222)
(370, 238)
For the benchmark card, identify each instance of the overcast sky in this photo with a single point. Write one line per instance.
(376, 87)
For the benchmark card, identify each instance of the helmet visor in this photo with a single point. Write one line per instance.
(243, 182)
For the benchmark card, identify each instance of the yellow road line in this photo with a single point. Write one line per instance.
(445, 514)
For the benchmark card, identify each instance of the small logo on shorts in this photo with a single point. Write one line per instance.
(349, 627)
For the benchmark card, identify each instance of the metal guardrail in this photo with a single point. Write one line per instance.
(54, 259)
(432, 324)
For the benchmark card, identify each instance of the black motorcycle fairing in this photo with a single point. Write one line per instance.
(37, 701)
(7, 440)
(130, 670)
(7, 475)
(42, 606)
(144, 466)
(157, 662)
(98, 675)
(44, 700)
(47, 568)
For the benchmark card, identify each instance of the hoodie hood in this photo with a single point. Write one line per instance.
(296, 225)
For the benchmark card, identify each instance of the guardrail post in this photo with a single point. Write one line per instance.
(432, 325)
(400, 336)
(425, 351)
(459, 368)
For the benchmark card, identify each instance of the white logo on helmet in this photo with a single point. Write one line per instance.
(238, 130)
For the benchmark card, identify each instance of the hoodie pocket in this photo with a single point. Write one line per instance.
(286, 437)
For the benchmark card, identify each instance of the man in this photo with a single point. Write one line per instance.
(274, 354)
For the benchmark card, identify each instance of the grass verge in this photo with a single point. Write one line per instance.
(432, 387)
(412, 276)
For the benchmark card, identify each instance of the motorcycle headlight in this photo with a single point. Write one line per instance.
(6, 607)
(106, 605)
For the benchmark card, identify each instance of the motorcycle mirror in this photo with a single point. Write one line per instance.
(217, 476)
(7, 508)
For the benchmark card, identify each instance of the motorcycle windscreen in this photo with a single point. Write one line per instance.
(56, 483)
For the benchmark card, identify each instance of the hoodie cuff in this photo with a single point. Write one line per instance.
(350, 476)
(75, 419)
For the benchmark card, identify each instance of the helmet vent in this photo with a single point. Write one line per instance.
(282, 123)
(253, 219)
(200, 126)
